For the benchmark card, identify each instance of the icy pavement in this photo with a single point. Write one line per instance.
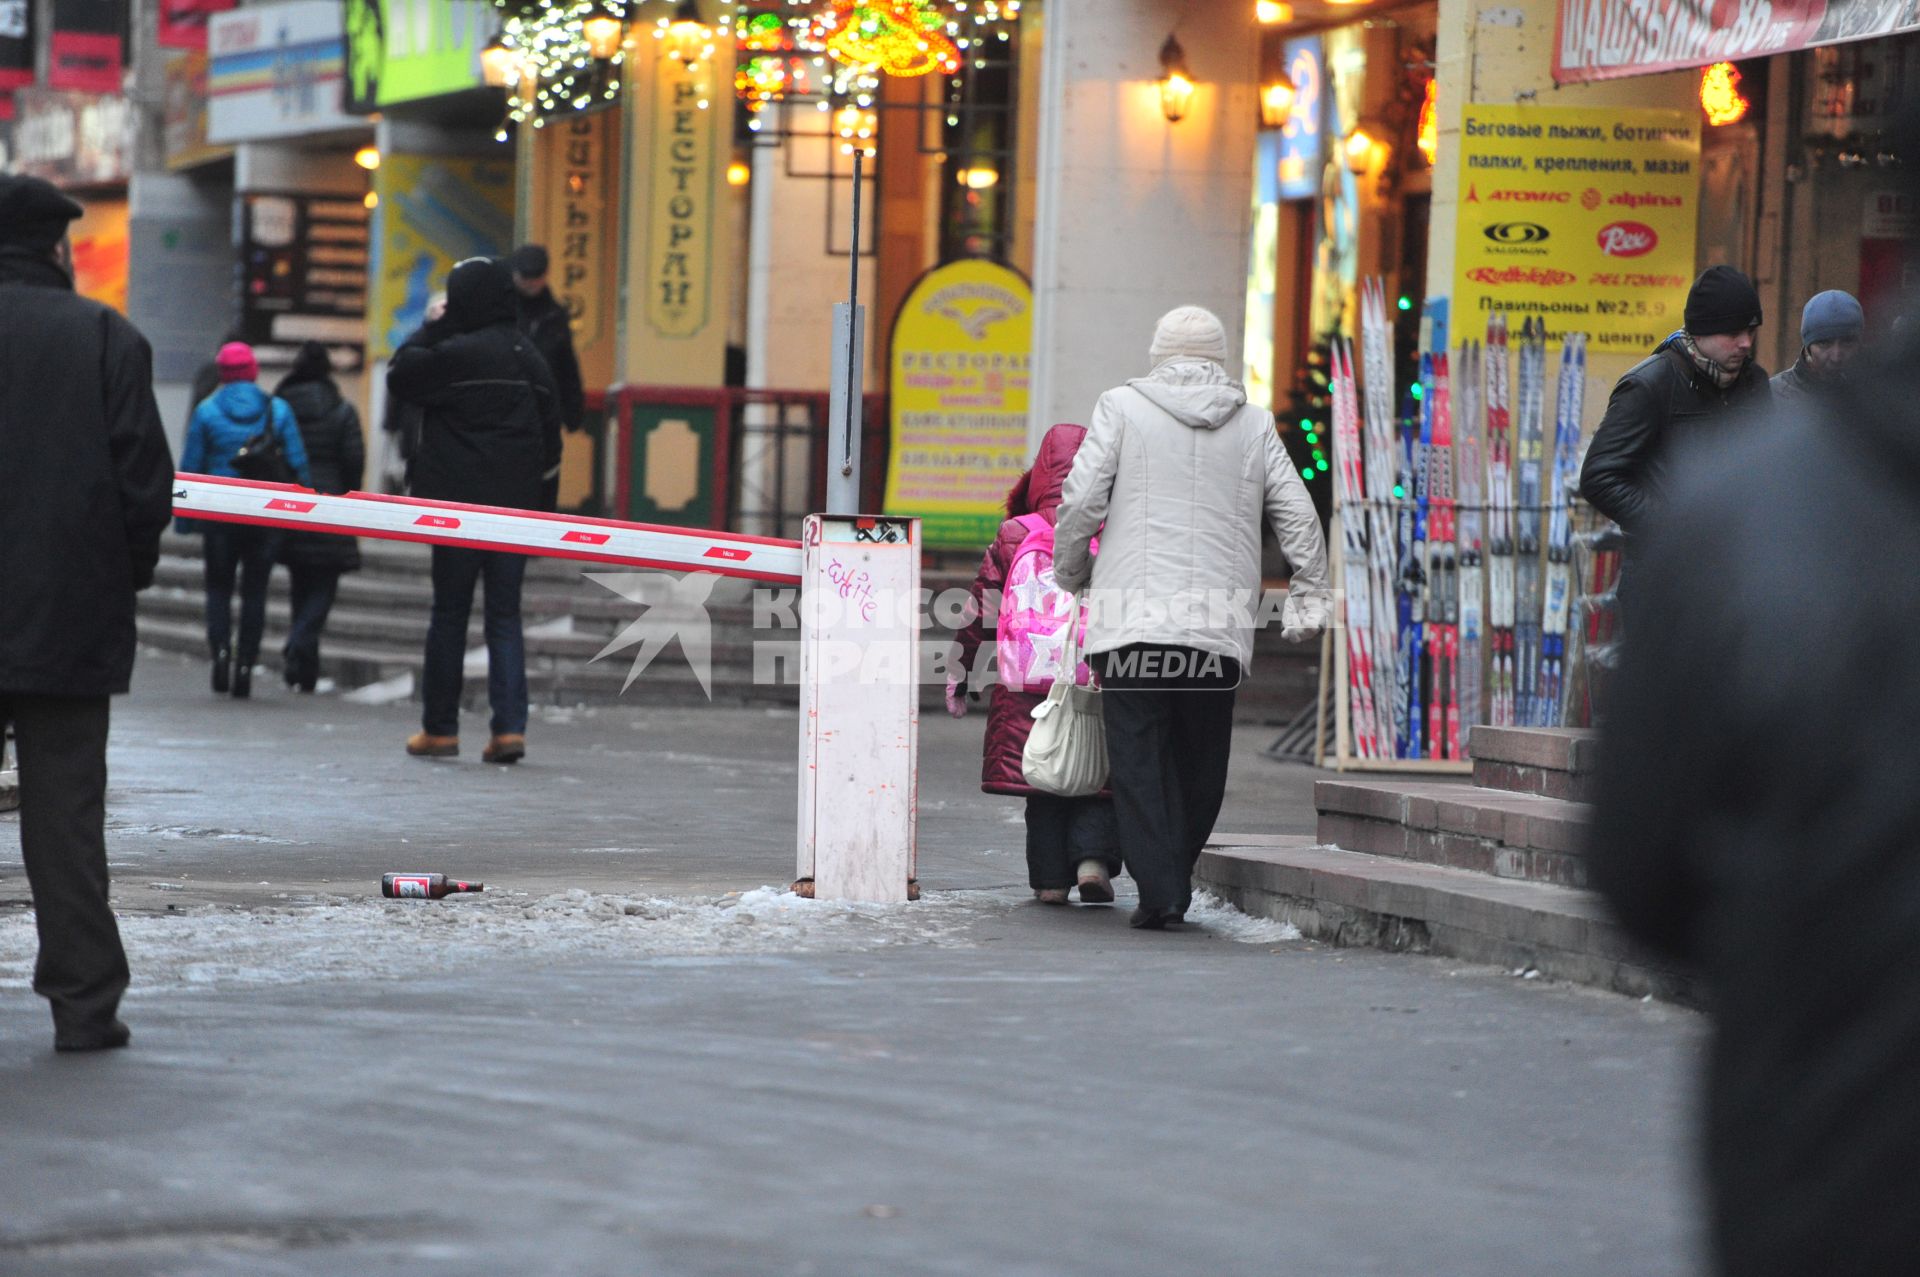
(338, 938)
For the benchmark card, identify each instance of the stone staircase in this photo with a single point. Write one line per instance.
(377, 631)
(1490, 871)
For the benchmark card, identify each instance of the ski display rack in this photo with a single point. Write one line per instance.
(1473, 582)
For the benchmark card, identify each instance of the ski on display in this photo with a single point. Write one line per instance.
(1566, 477)
(1457, 533)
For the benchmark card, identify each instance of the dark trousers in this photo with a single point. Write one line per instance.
(455, 572)
(311, 593)
(1168, 743)
(1062, 832)
(250, 552)
(82, 970)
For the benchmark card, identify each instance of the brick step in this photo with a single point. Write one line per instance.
(1553, 762)
(731, 646)
(353, 665)
(1458, 826)
(1350, 898)
(588, 602)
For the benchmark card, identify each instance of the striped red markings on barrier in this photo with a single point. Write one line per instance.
(216, 498)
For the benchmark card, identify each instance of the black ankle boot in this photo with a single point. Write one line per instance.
(222, 671)
(242, 682)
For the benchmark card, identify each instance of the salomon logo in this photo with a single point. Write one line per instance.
(1516, 232)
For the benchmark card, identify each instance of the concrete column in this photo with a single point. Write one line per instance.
(1135, 215)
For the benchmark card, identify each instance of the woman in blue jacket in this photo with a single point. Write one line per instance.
(223, 422)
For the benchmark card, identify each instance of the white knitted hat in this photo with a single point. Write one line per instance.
(1189, 332)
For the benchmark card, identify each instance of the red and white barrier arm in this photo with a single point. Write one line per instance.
(479, 527)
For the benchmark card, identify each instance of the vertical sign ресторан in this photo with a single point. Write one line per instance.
(679, 265)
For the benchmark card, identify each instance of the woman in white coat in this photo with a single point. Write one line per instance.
(1177, 474)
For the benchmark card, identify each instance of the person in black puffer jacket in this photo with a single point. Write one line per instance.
(490, 436)
(336, 461)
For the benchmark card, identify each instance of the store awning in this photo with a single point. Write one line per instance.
(1611, 39)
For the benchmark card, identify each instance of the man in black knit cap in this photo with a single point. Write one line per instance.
(1699, 376)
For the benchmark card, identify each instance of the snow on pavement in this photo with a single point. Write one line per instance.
(341, 938)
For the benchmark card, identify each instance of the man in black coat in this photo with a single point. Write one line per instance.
(546, 323)
(1757, 815)
(1701, 375)
(85, 491)
(490, 436)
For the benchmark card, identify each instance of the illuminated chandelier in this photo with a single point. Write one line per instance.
(840, 49)
(902, 38)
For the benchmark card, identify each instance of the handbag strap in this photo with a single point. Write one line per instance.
(1069, 654)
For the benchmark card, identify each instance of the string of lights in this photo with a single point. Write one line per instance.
(572, 55)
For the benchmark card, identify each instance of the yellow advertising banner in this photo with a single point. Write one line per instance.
(1583, 218)
(575, 213)
(961, 356)
(433, 211)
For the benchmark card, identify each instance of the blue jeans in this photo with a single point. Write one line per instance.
(455, 572)
(311, 592)
(250, 552)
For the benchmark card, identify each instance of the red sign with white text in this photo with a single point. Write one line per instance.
(1611, 39)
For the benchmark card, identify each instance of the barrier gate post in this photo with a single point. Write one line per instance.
(859, 706)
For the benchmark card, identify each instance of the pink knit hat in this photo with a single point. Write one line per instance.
(237, 363)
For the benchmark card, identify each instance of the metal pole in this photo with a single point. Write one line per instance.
(847, 399)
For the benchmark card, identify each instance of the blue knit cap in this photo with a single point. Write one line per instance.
(1829, 315)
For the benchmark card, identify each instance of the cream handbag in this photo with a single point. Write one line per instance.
(1066, 751)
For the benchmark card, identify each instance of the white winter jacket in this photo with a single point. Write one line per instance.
(1181, 469)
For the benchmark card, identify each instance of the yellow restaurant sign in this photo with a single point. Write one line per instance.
(957, 397)
(679, 262)
(1583, 218)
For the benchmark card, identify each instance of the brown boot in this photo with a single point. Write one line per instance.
(421, 745)
(509, 748)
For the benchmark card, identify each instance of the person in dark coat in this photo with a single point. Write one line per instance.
(490, 436)
(1831, 324)
(1702, 375)
(404, 421)
(85, 492)
(550, 328)
(548, 325)
(1757, 816)
(1070, 841)
(336, 462)
(223, 424)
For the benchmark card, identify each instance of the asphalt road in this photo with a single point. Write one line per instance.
(626, 1057)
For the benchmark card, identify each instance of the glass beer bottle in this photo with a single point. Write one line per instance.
(424, 886)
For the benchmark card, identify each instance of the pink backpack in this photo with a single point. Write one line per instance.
(1032, 628)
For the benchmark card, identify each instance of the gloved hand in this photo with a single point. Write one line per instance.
(1304, 614)
(957, 696)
